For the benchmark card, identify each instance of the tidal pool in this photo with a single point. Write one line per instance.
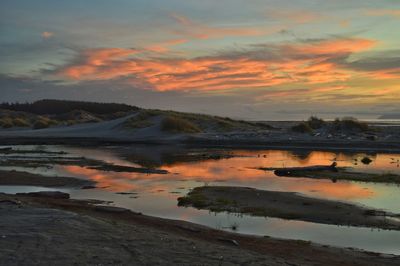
(156, 194)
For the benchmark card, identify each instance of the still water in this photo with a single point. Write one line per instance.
(156, 194)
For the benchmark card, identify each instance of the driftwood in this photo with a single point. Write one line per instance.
(295, 170)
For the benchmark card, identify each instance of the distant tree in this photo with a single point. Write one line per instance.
(44, 107)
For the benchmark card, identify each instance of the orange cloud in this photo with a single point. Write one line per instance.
(384, 74)
(384, 12)
(307, 63)
(336, 46)
(94, 59)
(330, 88)
(47, 34)
(163, 47)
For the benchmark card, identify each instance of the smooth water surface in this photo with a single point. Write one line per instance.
(156, 194)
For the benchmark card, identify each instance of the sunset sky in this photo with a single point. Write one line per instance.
(251, 59)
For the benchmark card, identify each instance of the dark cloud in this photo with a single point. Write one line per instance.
(376, 63)
(30, 89)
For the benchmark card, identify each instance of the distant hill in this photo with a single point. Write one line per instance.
(61, 114)
(390, 116)
(55, 107)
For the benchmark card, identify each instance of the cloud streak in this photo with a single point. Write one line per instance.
(384, 12)
(307, 62)
(195, 30)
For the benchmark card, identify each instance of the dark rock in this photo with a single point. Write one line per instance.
(366, 160)
(126, 193)
(88, 187)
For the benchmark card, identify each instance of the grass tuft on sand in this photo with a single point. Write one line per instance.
(303, 128)
(339, 125)
(179, 125)
(350, 124)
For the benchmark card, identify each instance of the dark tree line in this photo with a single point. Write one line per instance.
(43, 107)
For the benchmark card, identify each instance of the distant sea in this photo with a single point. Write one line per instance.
(376, 121)
(383, 122)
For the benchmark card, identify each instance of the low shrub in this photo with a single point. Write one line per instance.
(303, 127)
(6, 122)
(223, 125)
(315, 122)
(179, 125)
(21, 122)
(350, 123)
(40, 124)
(140, 120)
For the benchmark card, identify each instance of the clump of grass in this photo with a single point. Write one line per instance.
(176, 124)
(70, 122)
(44, 122)
(315, 122)
(256, 211)
(309, 126)
(303, 127)
(223, 201)
(225, 125)
(40, 124)
(21, 122)
(6, 122)
(350, 123)
(194, 199)
(140, 120)
(205, 122)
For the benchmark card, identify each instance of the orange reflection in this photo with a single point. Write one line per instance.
(241, 171)
(107, 180)
(327, 189)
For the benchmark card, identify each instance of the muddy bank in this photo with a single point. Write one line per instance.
(286, 205)
(18, 178)
(36, 161)
(334, 174)
(47, 231)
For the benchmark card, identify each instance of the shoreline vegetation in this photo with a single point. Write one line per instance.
(127, 236)
(86, 123)
(286, 205)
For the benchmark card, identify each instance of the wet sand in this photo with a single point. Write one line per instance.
(45, 231)
(287, 205)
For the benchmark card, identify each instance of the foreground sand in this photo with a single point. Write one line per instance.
(45, 231)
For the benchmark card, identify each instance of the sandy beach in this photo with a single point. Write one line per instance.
(67, 232)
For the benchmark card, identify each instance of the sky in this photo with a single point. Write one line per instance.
(248, 59)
